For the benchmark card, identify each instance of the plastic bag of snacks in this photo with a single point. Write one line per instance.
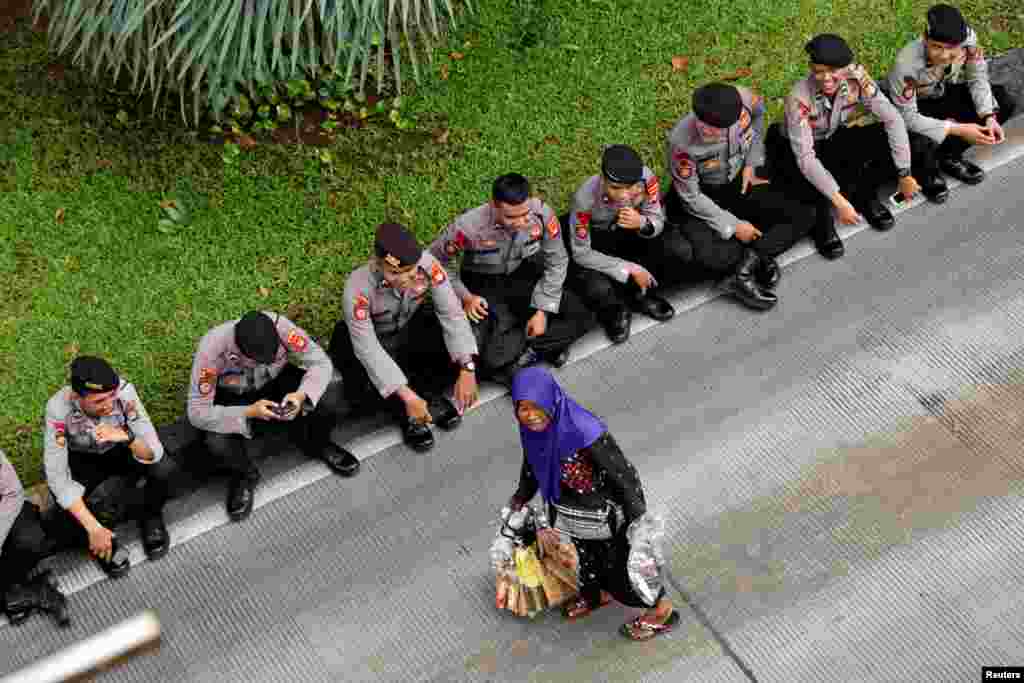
(526, 583)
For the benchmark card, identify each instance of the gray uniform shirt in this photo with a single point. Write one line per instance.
(912, 78)
(593, 210)
(12, 497)
(373, 308)
(692, 160)
(68, 427)
(811, 115)
(488, 248)
(220, 366)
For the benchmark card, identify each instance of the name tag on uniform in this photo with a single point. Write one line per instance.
(531, 248)
(710, 164)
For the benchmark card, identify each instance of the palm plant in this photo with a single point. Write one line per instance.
(210, 51)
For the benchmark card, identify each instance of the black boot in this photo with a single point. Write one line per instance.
(617, 324)
(119, 563)
(52, 601)
(768, 273)
(743, 284)
(558, 358)
(826, 239)
(525, 359)
(445, 414)
(934, 188)
(241, 495)
(155, 539)
(875, 213)
(653, 306)
(416, 434)
(963, 170)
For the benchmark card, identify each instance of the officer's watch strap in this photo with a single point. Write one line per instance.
(131, 435)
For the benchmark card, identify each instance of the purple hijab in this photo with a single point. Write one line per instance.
(572, 428)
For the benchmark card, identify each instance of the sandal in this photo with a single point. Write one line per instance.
(579, 607)
(640, 629)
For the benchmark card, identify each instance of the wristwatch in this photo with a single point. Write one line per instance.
(131, 435)
(468, 366)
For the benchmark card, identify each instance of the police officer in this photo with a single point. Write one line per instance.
(739, 222)
(837, 166)
(23, 544)
(389, 329)
(940, 85)
(98, 441)
(514, 265)
(620, 247)
(258, 374)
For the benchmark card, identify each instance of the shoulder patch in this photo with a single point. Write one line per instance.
(297, 342)
(457, 244)
(60, 433)
(744, 119)
(361, 308)
(553, 227)
(207, 380)
(437, 274)
(684, 164)
(582, 224)
(653, 188)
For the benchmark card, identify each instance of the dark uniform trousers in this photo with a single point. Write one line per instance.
(667, 257)
(858, 157)
(232, 453)
(26, 545)
(955, 104)
(419, 350)
(783, 221)
(501, 336)
(111, 492)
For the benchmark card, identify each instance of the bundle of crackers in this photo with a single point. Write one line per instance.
(532, 584)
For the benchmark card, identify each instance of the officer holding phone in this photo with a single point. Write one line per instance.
(253, 375)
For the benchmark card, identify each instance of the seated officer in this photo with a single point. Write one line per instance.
(619, 245)
(739, 222)
(257, 374)
(514, 265)
(99, 440)
(823, 160)
(940, 85)
(390, 329)
(24, 589)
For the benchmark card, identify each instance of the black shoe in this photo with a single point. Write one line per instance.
(155, 539)
(743, 285)
(339, 459)
(504, 375)
(961, 169)
(20, 600)
(653, 306)
(877, 215)
(618, 325)
(826, 239)
(934, 189)
(241, 495)
(53, 602)
(446, 415)
(119, 562)
(558, 359)
(768, 273)
(417, 435)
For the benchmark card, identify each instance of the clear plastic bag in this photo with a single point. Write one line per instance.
(646, 537)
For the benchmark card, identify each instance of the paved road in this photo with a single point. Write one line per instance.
(842, 479)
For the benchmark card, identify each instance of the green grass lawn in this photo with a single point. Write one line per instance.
(534, 86)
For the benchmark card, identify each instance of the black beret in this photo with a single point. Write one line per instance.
(91, 375)
(396, 245)
(717, 104)
(621, 164)
(256, 337)
(946, 25)
(830, 50)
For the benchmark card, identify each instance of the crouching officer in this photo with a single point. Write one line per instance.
(23, 544)
(940, 85)
(621, 250)
(824, 160)
(738, 223)
(99, 441)
(258, 374)
(389, 329)
(514, 265)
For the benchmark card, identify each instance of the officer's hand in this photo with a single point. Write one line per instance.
(750, 180)
(642, 277)
(746, 232)
(416, 408)
(475, 307)
(630, 219)
(995, 129)
(537, 325)
(101, 542)
(261, 410)
(294, 402)
(846, 214)
(974, 134)
(548, 540)
(909, 186)
(106, 433)
(466, 391)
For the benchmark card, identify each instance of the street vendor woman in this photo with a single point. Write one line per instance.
(592, 494)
